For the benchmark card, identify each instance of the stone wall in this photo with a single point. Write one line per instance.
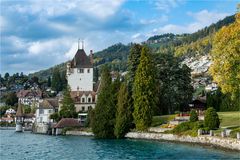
(41, 128)
(79, 133)
(158, 129)
(229, 143)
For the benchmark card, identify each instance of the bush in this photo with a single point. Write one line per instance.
(187, 128)
(211, 119)
(233, 133)
(193, 116)
(55, 116)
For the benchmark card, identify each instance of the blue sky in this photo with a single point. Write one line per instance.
(38, 34)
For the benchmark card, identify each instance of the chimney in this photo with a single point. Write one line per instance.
(91, 56)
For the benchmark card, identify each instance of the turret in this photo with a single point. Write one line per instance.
(68, 68)
(91, 56)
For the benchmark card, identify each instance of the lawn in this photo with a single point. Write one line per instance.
(159, 120)
(229, 119)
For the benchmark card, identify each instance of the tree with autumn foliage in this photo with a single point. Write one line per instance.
(226, 58)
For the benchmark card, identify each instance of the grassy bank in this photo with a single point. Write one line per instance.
(229, 119)
(159, 120)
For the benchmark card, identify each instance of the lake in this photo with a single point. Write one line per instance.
(34, 146)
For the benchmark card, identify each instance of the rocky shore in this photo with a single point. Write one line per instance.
(228, 143)
(79, 133)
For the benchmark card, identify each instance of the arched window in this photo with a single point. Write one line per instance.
(83, 100)
(89, 100)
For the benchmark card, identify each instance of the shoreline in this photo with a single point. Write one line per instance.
(218, 142)
(224, 143)
(7, 128)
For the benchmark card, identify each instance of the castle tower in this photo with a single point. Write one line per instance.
(80, 72)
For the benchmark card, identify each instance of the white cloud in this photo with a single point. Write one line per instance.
(201, 19)
(206, 18)
(161, 19)
(138, 37)
(167, 5)
(53, 46)
(3, 23)
(96, 8)
(61, 27)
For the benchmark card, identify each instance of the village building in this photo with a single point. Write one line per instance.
(29, 97)
(45, 108)
(64, 123)
(10, 111)
(199, 105)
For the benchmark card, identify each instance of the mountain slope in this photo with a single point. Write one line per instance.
(183, 45)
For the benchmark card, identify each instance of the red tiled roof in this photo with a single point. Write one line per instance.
(29, 93)
(49, 103)
(67, 122)
(81, 60)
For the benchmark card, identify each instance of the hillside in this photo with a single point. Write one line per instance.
(183, 46)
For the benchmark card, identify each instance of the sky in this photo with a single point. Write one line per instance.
(38, 34)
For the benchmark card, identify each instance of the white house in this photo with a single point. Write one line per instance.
(29, 97)
(45, 109)
(10, 111)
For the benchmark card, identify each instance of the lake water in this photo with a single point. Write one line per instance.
(34, 146)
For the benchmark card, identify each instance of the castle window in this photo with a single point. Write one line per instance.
(81, 70)
(89, 100)
(83, 100)
(89, 107)
(88, 71)
(83, 108)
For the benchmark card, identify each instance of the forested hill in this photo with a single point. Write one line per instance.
(198, 43)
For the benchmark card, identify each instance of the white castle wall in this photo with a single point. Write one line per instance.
(83, 81)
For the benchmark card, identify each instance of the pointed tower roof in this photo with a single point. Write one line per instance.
(81, 60)
(19, 110)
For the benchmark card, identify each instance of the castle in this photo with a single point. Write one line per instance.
(80, 79)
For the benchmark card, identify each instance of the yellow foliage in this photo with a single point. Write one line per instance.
(197, 48)
(226, 58)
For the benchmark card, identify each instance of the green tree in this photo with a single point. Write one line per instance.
(11, 99)
(174, 81)
(55, 116)
(105, 110)
(49, 82)
(27, 109)
(67, 109)
(144, 91)
(6, 76)
(214, 99)
(133, 62)
(193, 116)
(124, 117)
(211, 119)
(226, 57)
(95, 74)
(56, 80)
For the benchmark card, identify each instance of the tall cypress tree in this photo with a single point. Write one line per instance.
(104, 113)
(144, 91)
(49, 81)
(124, 113)
(133, 62)
(56, 80)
